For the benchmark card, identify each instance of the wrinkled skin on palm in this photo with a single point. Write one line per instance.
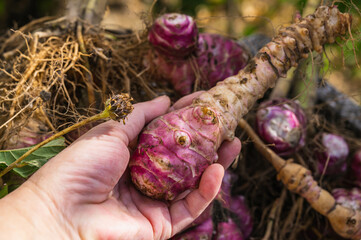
(282, 124)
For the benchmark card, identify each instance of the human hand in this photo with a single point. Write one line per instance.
(85, 191)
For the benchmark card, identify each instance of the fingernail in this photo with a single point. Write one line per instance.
(159, 99)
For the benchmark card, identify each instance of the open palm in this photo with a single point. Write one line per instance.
(85, 192)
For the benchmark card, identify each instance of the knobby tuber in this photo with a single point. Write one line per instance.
(181, 56)
(176, 148)
(282, 123)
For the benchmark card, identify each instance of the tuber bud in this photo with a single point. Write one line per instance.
(282, 124)
(174, 35)
(333, 152)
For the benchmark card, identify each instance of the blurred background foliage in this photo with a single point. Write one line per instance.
(234, 18)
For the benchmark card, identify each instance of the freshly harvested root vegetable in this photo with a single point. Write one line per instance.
(348, 198)
(174, 34)
(355, 167)
(345, 221)
(282, 123)
(214, 59)
(180, 55)
(331, 154)
(175, 149)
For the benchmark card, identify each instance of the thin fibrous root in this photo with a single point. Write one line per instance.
(345, 221)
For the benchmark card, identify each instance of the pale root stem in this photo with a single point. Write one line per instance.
(345, 221)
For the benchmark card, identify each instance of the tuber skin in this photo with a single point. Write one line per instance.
(333, 152)
(176, 148)
(282, 123)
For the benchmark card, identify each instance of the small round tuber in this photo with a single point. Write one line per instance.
(282, 124)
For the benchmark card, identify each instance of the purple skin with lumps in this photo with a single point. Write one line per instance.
(215, 58)
(350, 198)
(333, 152)
(282, 123)
(174, 35)
(355, 167)
(181, 146)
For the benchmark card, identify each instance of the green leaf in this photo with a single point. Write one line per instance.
(4, 191)
(34, 160)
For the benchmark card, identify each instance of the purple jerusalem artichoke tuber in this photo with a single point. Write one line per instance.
(356, 167)
(181, 56)
(174, 35)
(175, 149)
(282, 123)
(331, 154)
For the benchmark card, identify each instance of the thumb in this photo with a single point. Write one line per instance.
(95, 162)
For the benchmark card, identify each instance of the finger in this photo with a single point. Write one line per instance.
(185, 101)
(185, 211)
(228, 152)
(141, 115)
